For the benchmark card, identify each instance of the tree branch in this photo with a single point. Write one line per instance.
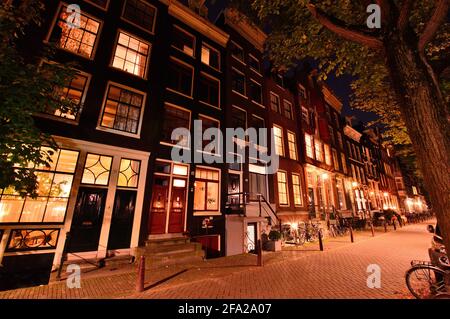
(403, 17)
(344, 31)
(439, 16)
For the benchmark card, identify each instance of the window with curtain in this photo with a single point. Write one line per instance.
(206, 190)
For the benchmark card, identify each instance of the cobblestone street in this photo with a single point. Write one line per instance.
(338, 272)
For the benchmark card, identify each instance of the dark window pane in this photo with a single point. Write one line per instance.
(140, 13)
(175, 118)
(209, 90)
(256, 92)
(180, 78)
(238, 82)
(183, 41)
(237, 52)
(239, 118)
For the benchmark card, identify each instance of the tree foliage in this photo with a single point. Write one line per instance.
(296, 34)
(27, 88)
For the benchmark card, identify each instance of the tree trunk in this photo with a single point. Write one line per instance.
(427, 120)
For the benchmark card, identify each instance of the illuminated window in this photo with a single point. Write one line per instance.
(278, 140)
(327, 155)
(131, 55)
(340, 193)
(97, 170)
(283, 197)
(335, 160)
(275, 102)
(296, 187)
(123, 109)
(210, 57)
(292, 141)
(53, 192)
(181, 170)
(129, 173)
(74, 91)
(206, 190)
(209, 90)
(288, 111)
(80, 40)
(175, 117)
(140, 13)
(183, 41)
(309, 145)
(319, 150)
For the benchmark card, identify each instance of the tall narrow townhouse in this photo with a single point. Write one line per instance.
(250, 198)
(187, 190)
(95, 188)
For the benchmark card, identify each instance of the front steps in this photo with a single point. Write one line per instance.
(172, 251)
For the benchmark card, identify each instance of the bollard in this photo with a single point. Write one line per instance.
(259, 252)
(140, 275)
(393, 223)
(373, 230)
(385, 226)
(320, 240)
(351, 234)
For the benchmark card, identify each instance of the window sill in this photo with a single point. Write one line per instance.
(207, 213)
(113, 131)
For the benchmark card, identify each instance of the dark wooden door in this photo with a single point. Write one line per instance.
(177, 209)
(122, 219)
(158, 208)
(87, 219)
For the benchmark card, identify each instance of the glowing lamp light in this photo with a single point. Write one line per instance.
(372, 193)
(325, 176)
(386, 194)
(354, 184)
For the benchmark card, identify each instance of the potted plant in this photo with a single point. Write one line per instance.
(274, 243)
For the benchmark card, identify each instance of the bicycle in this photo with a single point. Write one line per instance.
(309, 232)
(426, 280)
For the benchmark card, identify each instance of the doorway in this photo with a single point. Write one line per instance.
(87, 219)
(122, 219)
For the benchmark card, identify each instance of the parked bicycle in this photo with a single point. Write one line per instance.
(430, 279)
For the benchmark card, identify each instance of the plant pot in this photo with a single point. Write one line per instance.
(273, 245)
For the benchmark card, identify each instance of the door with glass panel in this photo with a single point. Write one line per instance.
(178, 198)
(87, 219)
(158, 209)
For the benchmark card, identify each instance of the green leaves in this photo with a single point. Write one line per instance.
(26, 89)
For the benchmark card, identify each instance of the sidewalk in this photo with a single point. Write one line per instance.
(120, 282)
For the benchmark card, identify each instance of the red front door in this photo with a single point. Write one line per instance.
(177, 209)
(158, 209)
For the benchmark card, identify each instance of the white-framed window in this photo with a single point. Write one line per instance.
(81, 41)
(275, 102)
(309, 145)
(102, 4)
(297, 189)
(254, 64)
(53, 192)
(237, 52)
(278, 140)
(141, 14)
(207, 191)
(305, 115)
(175, 117)
(318, 146)
(292, 141)
(210, 56)
(74, 91)
(283, 194)
(238, 84)
(335, 159)
(288, 110)
(210, 123)
(256, 92)
(183, 41)
(122, 111)
(327, 155)
(181, 77)
(131, 54)
(209, 90)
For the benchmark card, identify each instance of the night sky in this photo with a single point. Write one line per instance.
(340, 86)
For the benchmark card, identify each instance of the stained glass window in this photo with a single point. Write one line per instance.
(129, 173)
(97, 169)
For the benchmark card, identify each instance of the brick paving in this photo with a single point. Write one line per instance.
(298, 272)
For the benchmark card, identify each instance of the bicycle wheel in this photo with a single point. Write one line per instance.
(425, 281)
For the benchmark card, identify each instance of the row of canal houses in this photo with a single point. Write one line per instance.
(147, 67)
